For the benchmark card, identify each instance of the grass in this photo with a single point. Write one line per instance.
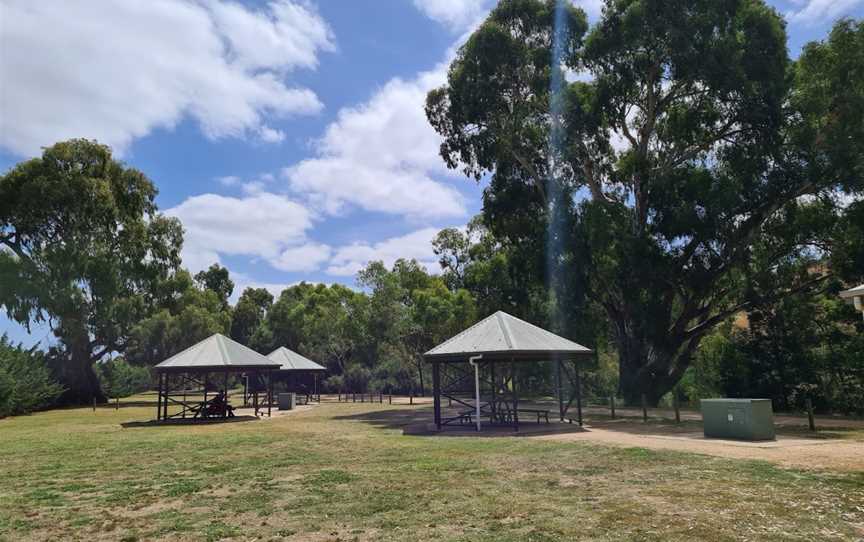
(328, 474)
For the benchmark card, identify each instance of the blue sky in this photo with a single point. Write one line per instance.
(287, 135)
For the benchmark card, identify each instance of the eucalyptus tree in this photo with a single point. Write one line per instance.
(671, 158)
(82, 247)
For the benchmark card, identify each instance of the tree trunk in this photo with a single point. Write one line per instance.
(75, 367)
(649, 369)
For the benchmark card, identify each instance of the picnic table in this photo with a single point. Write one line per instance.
(213, 408)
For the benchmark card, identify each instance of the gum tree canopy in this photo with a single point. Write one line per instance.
(83, 247)
(694, 170)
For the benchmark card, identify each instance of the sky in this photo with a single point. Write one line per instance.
(288, 136)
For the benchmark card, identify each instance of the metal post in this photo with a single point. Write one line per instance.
(436, 390)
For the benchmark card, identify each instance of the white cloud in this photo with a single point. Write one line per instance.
(380, 156)
(350, 259)
(455, 14)
(820, 11)
(228, 180)
(308, 257)
(261, 225)
(115, 70)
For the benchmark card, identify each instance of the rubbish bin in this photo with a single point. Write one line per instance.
(745, 419)
(287, 401)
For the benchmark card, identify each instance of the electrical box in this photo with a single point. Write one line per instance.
(745, 419)
(287, 401)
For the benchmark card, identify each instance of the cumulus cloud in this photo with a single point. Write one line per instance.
(820, 11)
(455, 14)
(380, 156)
(115, 70)
(349, 259)
(262, 225)
(308, 257)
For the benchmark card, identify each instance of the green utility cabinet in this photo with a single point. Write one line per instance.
(287, 401)
(745, 419)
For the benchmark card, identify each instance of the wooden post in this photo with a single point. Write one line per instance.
(159, 397)
(436, 392)
(612, 405)
(560, 385)
(644, 408)
(390, 399)
(269, 392)
(225, 403)
(411, 397)
(578, 395)
(675, 405)
(810, 420)
(117, 403)
(94, 403)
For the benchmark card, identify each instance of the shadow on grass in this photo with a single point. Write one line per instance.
(188, 421)
(418, 421)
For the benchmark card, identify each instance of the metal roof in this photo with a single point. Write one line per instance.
(504, 337)
(292, 361)
(217, 352)
(854, 292)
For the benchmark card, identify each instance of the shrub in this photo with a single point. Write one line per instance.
(119, 378)
(26, 382)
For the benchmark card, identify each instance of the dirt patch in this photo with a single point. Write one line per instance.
(790, 451)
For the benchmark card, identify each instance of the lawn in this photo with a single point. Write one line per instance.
(330, 474)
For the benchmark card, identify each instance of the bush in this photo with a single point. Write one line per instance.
(26, 382)
(120, 379)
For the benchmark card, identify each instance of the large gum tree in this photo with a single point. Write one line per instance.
(673, 155)
(82, 247)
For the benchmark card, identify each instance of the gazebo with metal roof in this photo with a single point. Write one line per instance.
(495, 348)
(856, 297)
(193, 367)
(296, 373)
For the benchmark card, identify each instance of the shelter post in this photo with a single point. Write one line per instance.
(578, 393)
(225, 391)
(436, 392)
(560, 389)
(159, 396)
(269, 392)
(515, 395)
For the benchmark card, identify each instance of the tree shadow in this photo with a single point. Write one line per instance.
(188, 421)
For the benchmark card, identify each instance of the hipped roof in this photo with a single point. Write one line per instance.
(290, 360)
(216, 353)
(502, 337)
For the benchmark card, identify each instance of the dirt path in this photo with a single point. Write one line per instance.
(791, 451)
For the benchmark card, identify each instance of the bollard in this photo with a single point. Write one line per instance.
(117, 404)
(390, 399)
(612, 406)
(381, 397)
(411, 399)
(94, 404)
(810, 419)
(644, 408)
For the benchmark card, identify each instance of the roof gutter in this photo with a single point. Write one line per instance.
(473, 362)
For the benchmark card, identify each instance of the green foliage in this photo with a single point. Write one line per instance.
(720, 194)
(26, 382)
(186, 316)
(121, 379)
(216, 279)
(249, 313)
(82, 245)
